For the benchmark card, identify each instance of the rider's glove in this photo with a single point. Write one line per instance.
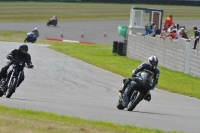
(30, 66)
(134, 75)
(9, 57)
(127, 80)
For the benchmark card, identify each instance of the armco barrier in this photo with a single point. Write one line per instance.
(176, 55)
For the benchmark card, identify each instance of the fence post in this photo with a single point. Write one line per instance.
(187, 57)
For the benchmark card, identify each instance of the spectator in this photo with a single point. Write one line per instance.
(151, 25)
(196, 37)
(171, 35)
(155, 31)
(185, 29)
(148, 30)
(183, 34)
(163, 32)
(177, 31)
(168, 21)
(170, 29)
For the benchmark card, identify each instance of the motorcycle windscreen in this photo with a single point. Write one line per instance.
(146, 78)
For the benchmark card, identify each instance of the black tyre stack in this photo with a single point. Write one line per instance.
(120, 47)
(115, 45)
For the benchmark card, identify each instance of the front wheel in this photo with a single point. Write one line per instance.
(55, 24)
(11, 88)
(133, 102)
(1, 92)
(48, 24)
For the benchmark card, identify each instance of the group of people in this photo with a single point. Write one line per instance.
(152, 30)
(172, 31)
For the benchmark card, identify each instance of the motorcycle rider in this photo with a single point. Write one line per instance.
(54, 18)
(36, 32)
(151, 67)
(20, 54)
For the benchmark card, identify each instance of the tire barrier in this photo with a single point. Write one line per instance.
(115, 45)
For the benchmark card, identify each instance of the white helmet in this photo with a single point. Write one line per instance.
(153, 61)
(35, 28)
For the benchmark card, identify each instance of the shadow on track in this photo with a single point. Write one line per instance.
(21, 99)
(153, 113)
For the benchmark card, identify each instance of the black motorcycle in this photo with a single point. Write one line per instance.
(135, 91)
(31, 37)
(9, 84)
(52, 22)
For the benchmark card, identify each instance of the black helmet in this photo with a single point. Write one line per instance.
(23, 49)
(153, 61)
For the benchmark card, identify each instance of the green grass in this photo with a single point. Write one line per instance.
(42, 11)
(101, 56)
(28, 121)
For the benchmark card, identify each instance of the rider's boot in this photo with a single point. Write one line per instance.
(148, 97)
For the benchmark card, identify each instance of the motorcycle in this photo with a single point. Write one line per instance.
(135, 91)
(52, 22)
(31, 37)
(9, 84)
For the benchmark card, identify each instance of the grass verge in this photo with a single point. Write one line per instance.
(42, 11)
(16, 36)
(28, 121)
(101, 56)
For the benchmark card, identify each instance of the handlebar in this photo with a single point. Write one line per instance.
(17, 61)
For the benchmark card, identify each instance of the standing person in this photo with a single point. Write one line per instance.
(183, 34)
(196, 37)
(169, 20)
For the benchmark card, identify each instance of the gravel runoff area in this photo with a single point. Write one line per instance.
(64, 85)
(93, 30)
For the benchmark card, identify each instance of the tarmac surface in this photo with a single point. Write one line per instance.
(64, 85)
(93, 30)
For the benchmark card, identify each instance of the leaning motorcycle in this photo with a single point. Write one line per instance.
(31, 37)
(135, 91)
(9, 84)
(52, 22)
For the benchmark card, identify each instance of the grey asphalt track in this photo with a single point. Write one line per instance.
(93, 30)
(64, 85)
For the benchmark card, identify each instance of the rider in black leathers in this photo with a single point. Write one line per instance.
(20, 54)
(151, 67)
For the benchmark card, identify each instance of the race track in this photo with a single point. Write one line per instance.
(93, 30)
(65, 85)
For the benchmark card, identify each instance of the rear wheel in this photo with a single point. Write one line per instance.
(48, 24)
(55, 24)
(11, 88)
(133, 103)
(119, 104)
